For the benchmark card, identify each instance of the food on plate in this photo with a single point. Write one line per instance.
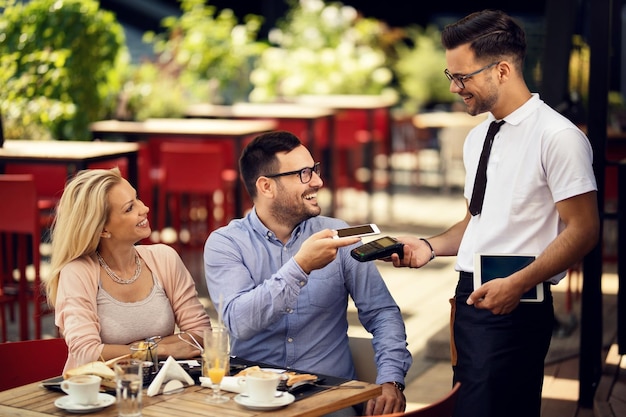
(294, 378)
(245, 371)
(290, 377)
(98, 368)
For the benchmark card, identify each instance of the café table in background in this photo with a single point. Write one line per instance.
(450, 128)
(307, 122)
(154, 131)
(372, 106)
(75, 155)
(313, 125)
(32, 400)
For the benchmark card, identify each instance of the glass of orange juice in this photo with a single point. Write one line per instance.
(216, 361)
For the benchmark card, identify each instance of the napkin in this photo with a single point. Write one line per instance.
(229, 383)
(171, 378)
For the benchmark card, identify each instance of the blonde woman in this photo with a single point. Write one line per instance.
(109, 292)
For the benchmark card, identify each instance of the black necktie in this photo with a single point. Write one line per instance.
(480, 182)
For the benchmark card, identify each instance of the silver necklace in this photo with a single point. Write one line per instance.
(116, 277)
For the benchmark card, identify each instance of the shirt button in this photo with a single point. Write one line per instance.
(290, 339)
(301, 283)
(289, 310)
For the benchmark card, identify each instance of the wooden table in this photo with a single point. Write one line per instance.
(34, 401)
(370, 104)
(235, 131)
(76, 155)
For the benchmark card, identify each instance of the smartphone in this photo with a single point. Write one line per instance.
(378, 249)
(358, 231)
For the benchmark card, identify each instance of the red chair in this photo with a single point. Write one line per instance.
(49, 181)
(195, 189)
(440, 408)
(8, 296)
(357, 141)
(20, 224)
(31, 361)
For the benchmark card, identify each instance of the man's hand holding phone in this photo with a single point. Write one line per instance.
(320, 249)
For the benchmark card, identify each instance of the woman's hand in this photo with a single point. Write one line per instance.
(180, 346)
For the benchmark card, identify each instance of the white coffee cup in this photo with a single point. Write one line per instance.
(261, 386)
(82, 389)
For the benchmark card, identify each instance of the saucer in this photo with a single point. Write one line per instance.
(104, 400)
(278, 402)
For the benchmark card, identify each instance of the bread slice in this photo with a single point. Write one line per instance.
(245, 371)
(294, 378)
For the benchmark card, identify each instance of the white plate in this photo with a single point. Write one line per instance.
(279, 402)
(104, 400)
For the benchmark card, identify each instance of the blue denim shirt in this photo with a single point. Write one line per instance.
(278, 314)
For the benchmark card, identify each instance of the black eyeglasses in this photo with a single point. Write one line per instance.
(306, 174)
(458, 79)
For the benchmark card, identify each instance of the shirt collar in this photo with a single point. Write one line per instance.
(523, 111)
(261, 229)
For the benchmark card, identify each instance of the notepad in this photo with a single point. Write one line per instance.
(488, 266)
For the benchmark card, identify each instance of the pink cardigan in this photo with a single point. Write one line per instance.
(76, 309)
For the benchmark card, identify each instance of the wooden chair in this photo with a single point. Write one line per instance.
(440, 408)
(19, 226)
(31, 361)
(194, 188)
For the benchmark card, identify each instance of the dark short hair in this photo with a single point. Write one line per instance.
(492, 35)
(259, 156)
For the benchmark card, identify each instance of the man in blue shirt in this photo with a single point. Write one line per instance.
(283, 281)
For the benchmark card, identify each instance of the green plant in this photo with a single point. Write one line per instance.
(150, 90)
(64, 52)
(419, 69)
(26, 110)
(209, 48)
(323, 48)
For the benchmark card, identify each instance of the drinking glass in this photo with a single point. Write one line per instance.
(216, 360)
(146, 351)
(129, 381)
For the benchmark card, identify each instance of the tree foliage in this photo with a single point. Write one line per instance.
(419, 69)
(320, 48)
(207, 46)
(58, 57)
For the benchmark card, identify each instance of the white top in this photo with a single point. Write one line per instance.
(538, 158)
(121, 322)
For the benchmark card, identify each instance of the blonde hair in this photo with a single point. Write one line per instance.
(80, 217)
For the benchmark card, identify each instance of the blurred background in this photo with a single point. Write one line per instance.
(140, 59)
